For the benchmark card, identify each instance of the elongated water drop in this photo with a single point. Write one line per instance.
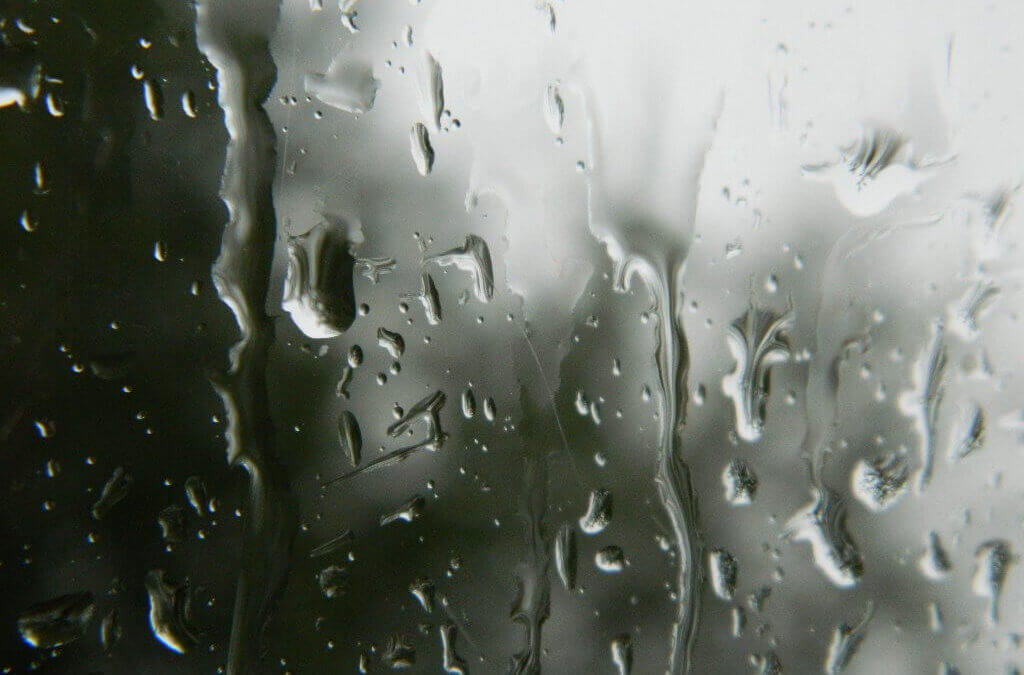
(153, 95)
(934, 563)
(350, 437)
(622, 654)
(422, 150)
(724, 571)
(846, 640)
(599, 512)
(110, 630)
(468, 403)
(757, 342)
(428, 297)
(114, 490)
(431, 89)
(822, 524)
(968, 432)
(921, 402)
(391, 342)
(554, 109)
(450, 660)
(423, 590)
(407, 512)
(58, 621)
(168, 604)
(566, 559)
(992, 563)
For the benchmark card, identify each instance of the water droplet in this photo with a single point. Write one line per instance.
(333, 581)
(27, 222)
(921, 402)
(757, 343)
(740, 483)
(490, 411)
(318, 290)
(336, 543)
(474, 257)
(622, 654)
(407, 512)
(549, 17)
(554, 109)
(45, 428)
(374, 268)
(110, 630)
(934, 563)
(872, 172)
(766, 664)
(723, 570)
(52, 468)
(54, 105)
(566, 559)
(451, 662)
(431, 89)
(391, 342)
(880, 482)
(738, 621)
(934, 617)
(846, 640)
(172, 524)
(350, 437)
(114, 490)
(968, 432)
(153, 95)
(610, 559)
(341, 388)
(398, 652)
(992, 563)
(423, 590)
(468, 403)
(348, 85)
(168, 603)
(822, 523)
(188, 104)
(964, 314)
(599, 512)
(429, 298)
(422, 150)
(56, 622)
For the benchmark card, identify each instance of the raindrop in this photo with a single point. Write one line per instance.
(599, 512)
(610, 559)
(56, 622)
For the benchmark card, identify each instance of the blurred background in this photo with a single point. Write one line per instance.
(812, 211)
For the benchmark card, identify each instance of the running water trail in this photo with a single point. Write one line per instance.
(234, 35)
(532, 604)
(651, 240)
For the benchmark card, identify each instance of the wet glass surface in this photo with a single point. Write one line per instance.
(459, 336)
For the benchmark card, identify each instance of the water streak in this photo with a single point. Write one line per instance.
(234, 35)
